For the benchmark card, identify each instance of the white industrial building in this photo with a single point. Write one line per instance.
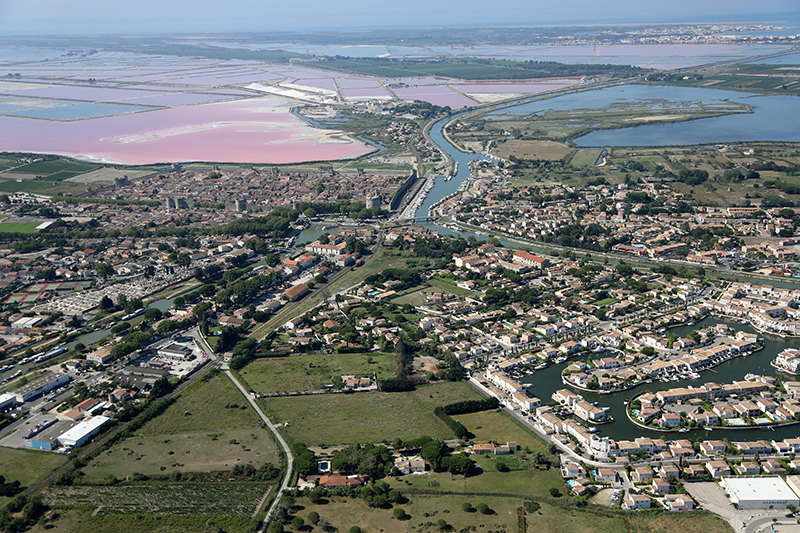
(7, 401)
(80, 434)
(757, 492)
(40, 386)
(175, 351)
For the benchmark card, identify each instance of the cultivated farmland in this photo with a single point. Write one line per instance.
(312, 372)
(232, 499)
(341, 418)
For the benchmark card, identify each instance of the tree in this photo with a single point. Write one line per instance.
(152, 315)
(398, 513)
(460, 464)
(554, 492)
(281, 514)
(355, 529)
(106, 302)
(324, 525)
(313, 518)
(483, 508)
(104, 270)
(276, 527)
(467, 507)
(442, 524)
(298, 523)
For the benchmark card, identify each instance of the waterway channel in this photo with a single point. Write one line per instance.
(545, 382)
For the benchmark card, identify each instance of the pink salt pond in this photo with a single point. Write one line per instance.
(244, 131)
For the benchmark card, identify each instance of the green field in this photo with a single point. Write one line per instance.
(184, 452)
(18, 227)
(312, 372)
(585, 158)
(525, 482)
(548, 150)
(230, 499)
(45, 186)
(759, 78)
(415, 298)
(451, 288)
(209, 438)
(330, 419)
(424, 511)
(27, 466)
(47, 168)
(498, 426)
(201, 408)
(80, 520)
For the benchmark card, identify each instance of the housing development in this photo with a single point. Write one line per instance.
(443, 310)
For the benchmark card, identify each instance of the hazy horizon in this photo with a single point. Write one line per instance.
(49, 17)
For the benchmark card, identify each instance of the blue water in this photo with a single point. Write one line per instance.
(19, 106)
(775, 118)
(443, 188)
(789, 59)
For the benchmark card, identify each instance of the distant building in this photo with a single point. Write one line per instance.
(760, 492)
(41, 385)
(295, 292)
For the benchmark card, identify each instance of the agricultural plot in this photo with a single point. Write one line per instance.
(424, 511)
(415, 298)
(547, 150)
(211, 427)
(48, 168)
(312, 372)
(329, 419)
(770, 79)
(524, 482)
(497, 426)
(184, 452)
(450, 287)
(75, 520)
(27, 466)
(585, 158)
(201, 408)
(44, 186)
(230, 499)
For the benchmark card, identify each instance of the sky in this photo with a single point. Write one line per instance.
(69, 17)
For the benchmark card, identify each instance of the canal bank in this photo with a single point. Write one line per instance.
(545, 382)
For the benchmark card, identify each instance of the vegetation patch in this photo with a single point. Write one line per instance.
(19, 227)
(232, 499)
(548, 150)
(27, 466)
(365, 416)
(201, 408)
(184, 452)
(497, 426)
(312, 372)
(80, 520)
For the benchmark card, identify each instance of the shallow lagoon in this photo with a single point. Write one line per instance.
(774, 118)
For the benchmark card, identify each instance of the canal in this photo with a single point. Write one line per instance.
(545, 382)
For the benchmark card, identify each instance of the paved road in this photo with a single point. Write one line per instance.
(289, 458)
